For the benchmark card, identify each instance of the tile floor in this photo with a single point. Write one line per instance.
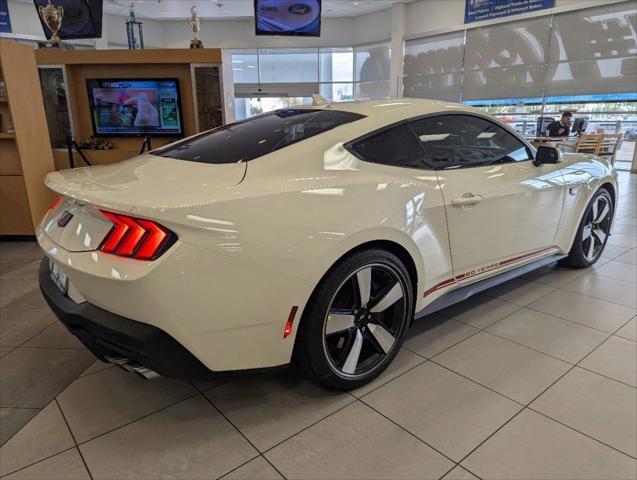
(535, 379)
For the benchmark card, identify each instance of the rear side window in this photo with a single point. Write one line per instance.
(457, 141)
(396, 146)
(258, 136)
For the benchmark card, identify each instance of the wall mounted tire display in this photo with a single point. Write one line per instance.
(355, 322)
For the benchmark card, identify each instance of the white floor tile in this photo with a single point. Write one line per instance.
(577, 400)
(257, 469)
(510, 369)
(67, 465)
(357, 443)
(629, 331)
(585, 310)
(607, 289)
(95, 404)
(430, 338)
(616, 358)
(430, 402)
(188, 440)
(45, 435)
(268, 408)
(532, 446)
(554, 336)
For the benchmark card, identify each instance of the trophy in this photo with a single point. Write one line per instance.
(195, 24)
(52, 17)
(131, 24)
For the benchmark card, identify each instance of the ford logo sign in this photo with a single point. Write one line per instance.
(299, 9)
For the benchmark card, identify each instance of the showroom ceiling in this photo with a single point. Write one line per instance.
(180, 9)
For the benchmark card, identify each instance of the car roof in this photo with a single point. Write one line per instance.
(388, 111)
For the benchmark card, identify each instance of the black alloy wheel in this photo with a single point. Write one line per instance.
(357, 320)
(593, 231)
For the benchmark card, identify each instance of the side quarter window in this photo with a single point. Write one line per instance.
(397, 146)
(462, 141)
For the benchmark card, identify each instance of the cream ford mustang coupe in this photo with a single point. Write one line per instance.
(310, 235)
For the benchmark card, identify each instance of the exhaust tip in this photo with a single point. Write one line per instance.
(133, 367)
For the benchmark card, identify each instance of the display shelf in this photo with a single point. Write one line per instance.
(4, 99)
(184, 65)
(7, 136)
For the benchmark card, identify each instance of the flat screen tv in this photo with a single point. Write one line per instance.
(288, 17)
(135, 107)
(81, 18)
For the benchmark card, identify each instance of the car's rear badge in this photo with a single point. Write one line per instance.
(64, 219)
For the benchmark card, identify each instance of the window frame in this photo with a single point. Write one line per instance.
(427, 165)
(165, 150)
(350, 146)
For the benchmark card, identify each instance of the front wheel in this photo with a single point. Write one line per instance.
(593, 231)
(354, 324)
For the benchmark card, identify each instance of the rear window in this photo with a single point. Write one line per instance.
(257, 136)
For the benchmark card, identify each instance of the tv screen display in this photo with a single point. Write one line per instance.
(288, 17)
(81, 18)
(135, 107)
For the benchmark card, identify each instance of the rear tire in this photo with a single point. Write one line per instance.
(593, 231)
(354, 324)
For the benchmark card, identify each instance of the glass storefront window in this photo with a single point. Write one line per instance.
(336, 64)
(245, 66)
(371, 71)
(300, 72)
(372, 63)
(337, 92)
(249, 106)
(288, 65)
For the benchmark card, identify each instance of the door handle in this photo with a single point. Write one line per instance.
(466, 200)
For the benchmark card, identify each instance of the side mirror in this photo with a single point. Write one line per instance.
(546, 155)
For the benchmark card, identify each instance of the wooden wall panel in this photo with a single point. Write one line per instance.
(15, 216)
(31, 131)
(51, 56)
(9, 158)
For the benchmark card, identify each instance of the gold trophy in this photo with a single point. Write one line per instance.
(196, 26)
(52, 17)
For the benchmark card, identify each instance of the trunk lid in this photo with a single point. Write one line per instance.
(147, 181)
(140, 186)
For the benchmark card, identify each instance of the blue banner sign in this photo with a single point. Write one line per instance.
(5, 21)
(480, 10)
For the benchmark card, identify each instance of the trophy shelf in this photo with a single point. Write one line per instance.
(54, 56)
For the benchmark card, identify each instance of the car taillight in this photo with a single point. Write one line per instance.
(55, 202)
(136, 237)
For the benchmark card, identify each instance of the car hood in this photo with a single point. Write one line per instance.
(148, 183)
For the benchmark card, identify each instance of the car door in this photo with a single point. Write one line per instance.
(394, 156)
(502, 210)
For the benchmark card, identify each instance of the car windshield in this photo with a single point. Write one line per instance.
(257, 136)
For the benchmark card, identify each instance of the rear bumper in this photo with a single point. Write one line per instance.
(110, 335)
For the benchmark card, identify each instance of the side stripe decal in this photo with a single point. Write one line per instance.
(486, 269)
